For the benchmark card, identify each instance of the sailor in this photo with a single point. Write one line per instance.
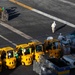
(16, 54)
(49, 38)
(53, 27)
(61, 37)
(2, 14)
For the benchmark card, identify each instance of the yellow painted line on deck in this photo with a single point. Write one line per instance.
(44, 14)
(21, 4)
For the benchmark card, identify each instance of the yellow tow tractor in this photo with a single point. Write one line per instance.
(53, 48)
(3, 14)
(37, 49)
(0, 61)
(24, 54)
(8, 59)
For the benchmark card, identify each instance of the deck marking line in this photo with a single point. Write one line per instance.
(21, 4)
(55, 18)
(67, 2)
(8, 40)
(43, 13)
(17, 31)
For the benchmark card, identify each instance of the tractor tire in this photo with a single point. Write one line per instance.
(7, 67)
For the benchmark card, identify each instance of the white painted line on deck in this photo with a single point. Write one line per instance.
(54, 18)
(44, 14)
(68, 2)
(17, 31)
(8, 40)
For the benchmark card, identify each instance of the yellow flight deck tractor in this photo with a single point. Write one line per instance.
(53, 48)
(3, 14)
(0, 61)
(24, 54)
(8, 59)
(37, 49)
